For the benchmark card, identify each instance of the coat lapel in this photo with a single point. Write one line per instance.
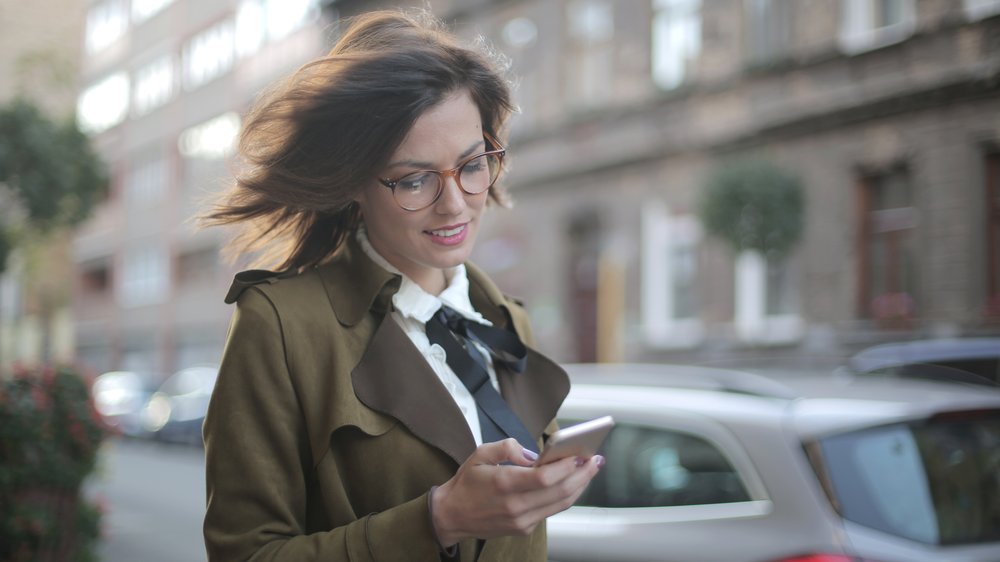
(395, 379)
(535, 394)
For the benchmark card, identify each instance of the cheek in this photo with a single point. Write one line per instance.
(478, 202)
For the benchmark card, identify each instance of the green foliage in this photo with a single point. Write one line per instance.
(50, 434)
(49, 168)
(754, 205)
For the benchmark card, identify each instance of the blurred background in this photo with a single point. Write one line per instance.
(883, 112)
(632, 237)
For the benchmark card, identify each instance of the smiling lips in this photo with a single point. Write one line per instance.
(449, 235)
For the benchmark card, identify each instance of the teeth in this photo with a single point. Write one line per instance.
(446, 233)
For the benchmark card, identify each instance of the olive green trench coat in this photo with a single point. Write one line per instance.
(327, 427)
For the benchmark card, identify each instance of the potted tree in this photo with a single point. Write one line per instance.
(758, 209)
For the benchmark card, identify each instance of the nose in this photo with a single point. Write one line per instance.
(452, 199)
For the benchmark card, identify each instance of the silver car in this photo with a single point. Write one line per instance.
(709, 465)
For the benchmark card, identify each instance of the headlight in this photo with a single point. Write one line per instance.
(156, 414)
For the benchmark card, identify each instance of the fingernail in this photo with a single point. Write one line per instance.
(580, 462)
(529, 454)
(600, 460)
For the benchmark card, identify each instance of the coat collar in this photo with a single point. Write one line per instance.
(394, 379)
(367, 285)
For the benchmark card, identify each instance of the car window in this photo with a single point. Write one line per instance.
(935, 482)
(651, 467)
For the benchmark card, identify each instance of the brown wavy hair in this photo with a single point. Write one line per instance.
(310, 144)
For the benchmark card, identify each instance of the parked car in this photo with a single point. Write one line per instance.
(176, 411)
(119, 397)
(708, 465)
(970, 360)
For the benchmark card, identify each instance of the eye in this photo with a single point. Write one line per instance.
(415, 182)
(477, 164)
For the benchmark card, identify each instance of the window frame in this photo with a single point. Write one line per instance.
(660, 232)
(760, 20)
(146, 274)
(753, 322)
(867, 182)
(588, 74)
(195, 71)
(98, 36)
(859, 32)
(666, 14)
(678, 421)
(991, 169)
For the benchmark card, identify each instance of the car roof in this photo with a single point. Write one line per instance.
(925, 351)
(811, 405)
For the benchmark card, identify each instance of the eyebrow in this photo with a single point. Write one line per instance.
(429, 166)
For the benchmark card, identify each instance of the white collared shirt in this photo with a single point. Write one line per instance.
(412, 307)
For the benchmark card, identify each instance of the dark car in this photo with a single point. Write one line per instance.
(176, 411)
(710, 465)
(969, 360)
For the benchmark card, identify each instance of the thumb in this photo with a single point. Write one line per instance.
(506, 451)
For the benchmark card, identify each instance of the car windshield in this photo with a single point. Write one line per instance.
(936, 481)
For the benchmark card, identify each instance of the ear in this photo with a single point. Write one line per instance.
(360, 198)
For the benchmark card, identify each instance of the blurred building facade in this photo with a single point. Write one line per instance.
(887, 110)
(165, 85)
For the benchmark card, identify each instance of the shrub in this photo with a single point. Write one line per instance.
(50, 434)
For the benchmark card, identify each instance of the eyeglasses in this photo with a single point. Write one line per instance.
(419, 190)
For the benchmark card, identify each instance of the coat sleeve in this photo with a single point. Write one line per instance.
(258, 464)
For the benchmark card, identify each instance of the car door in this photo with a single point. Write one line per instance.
(677, 487)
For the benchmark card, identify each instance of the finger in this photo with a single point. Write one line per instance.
(506, 451)
(549, 486)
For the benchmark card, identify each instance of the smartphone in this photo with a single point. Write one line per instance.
(580, 440)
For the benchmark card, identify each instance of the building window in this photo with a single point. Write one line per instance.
(584, 237)
(95, 278)
(870, 24)
(212, 139)
(888, 283)
(145, 277)
(676, 41)
(980, 9)
(767, 26)
(260, 21)
(142, 10)
(209, 55)
(155, 84)
(106, 22)
(591, 57)
(198, 266)
(671, 304)
(767, 299)
(147, 180)
(993, 234)
(104, 104)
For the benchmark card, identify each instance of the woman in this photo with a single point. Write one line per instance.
(342, 426)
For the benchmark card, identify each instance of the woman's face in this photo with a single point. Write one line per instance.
(423, 243)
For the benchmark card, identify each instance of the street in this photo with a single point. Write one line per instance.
(154, 497)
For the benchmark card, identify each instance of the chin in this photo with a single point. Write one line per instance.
(452, 258)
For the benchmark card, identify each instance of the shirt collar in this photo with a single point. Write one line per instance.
(412, 301)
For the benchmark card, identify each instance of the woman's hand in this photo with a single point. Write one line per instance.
(486, 499)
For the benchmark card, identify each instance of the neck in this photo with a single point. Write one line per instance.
(434, 282)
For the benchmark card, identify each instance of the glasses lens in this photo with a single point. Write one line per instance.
(417, 190)
(478, 174)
